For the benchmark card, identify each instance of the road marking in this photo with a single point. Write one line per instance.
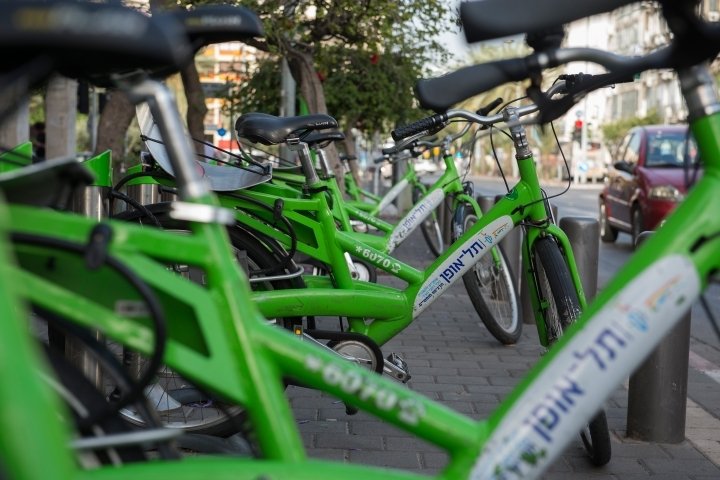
(705, 366)
(701, 427)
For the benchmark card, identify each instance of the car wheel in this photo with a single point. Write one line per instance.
(637, 225)
(608, 234)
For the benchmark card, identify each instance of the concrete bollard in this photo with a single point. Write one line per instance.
(584, 236)
(657, 397)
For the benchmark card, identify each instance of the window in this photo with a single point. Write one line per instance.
(632, 152)
(667, 150)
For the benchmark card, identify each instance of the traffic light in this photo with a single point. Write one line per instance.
(577, 131)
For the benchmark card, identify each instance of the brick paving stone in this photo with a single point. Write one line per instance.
(453, 359)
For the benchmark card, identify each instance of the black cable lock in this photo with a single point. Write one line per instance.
(96, 250)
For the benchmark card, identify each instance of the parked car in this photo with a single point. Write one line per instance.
(647, 180)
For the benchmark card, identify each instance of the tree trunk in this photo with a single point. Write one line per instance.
(60, 114)
(112, 127)
(351, 152)
(303, 69)
(196, 105)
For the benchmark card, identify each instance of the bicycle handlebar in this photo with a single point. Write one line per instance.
(441, 92)
(489, 19)
(416, 129)
(422, 125)
(490, 106)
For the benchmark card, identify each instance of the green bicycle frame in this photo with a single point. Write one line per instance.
(377, 204)
(248, 357)
(234, 352)
(342, 296)
(357, 194)
(315, 217)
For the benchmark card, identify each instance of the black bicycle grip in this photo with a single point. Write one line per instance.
(584, 82)
(489, 19)
(441, 93)
(380, 159)
(484, 111)
(427, 123)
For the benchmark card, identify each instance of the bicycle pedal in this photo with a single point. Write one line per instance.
(397, 368)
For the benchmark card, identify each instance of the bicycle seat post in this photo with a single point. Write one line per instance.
(295, 145)
(324, 165)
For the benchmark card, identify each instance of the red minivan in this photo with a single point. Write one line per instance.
(649, 177)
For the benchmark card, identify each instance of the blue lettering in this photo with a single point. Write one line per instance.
(567, 391)
(590, 353)
(638, 320)
(546, 416)
(609, 334)
(447, 274)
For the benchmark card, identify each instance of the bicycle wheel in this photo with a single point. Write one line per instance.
(562, 308)
(179, 403)
(491, 288)
(431, 229)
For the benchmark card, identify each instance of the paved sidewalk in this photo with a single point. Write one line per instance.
(453, 359)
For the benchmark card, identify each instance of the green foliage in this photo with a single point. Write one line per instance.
(369, 54)
(372, 92)
(261, 91)
(614, 132)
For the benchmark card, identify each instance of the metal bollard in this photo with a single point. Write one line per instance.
(91, 201)
(584, 236)
(657, 396)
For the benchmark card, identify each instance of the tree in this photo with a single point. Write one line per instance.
(322, 40)
(118, 113)
(614, 132)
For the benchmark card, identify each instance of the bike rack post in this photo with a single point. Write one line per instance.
(91, 201)
(657, 396)
(584, 236)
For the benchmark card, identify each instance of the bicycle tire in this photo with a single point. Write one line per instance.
(430, 228)
(555, 287)
(185, 406)
(491, 288)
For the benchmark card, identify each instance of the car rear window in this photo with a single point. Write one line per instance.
(668, 150)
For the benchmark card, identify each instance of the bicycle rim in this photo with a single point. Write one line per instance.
(491, 290)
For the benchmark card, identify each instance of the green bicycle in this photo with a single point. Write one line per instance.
(243, 359)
